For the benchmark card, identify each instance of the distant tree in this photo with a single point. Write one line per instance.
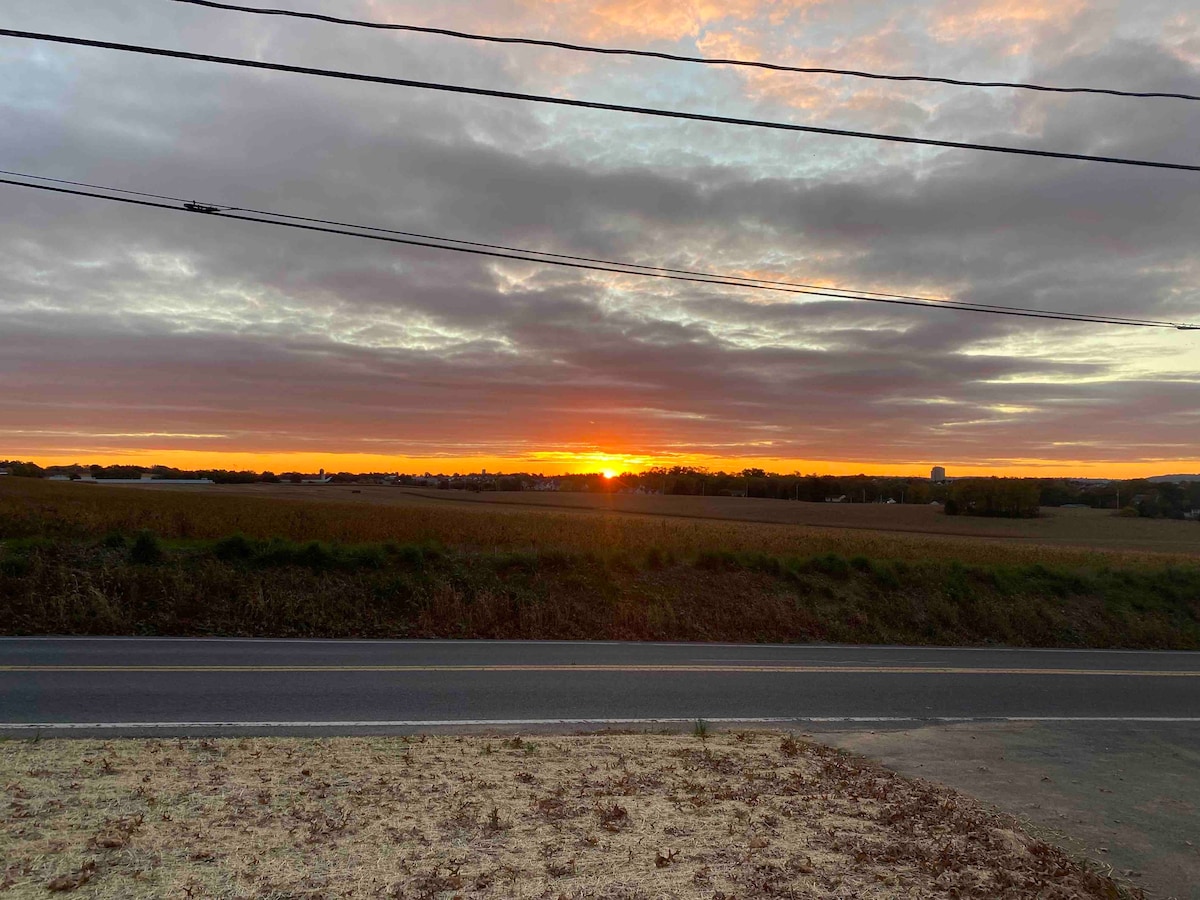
(1013, 498)
(19, 469)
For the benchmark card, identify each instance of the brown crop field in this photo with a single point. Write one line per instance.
(818, 523)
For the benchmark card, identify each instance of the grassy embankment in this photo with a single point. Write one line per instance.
(78, 559)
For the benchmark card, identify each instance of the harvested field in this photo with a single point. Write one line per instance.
(750, 815)
(1087, 528)
(684, 526)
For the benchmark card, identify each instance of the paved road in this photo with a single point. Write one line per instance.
(134, 685)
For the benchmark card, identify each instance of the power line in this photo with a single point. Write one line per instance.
(715, 280)
(454, 240)
(674, 57)
(851, 293)
(588, 104)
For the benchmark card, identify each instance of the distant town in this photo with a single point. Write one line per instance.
(1169, 496)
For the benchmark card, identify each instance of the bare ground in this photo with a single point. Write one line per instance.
(1126, 795)
(739, 815)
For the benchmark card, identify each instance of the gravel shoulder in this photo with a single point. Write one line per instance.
(745, 815)
(1125, 795)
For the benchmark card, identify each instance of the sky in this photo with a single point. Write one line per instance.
(144, 336)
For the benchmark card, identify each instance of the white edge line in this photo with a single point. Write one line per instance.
(450, 723)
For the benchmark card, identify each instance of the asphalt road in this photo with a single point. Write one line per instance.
(132, 686)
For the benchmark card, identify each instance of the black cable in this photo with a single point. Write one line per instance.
(946, 305)
(586, 104)
(852, 293)
(674, 57)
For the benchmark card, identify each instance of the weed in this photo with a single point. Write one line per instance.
(114, 540)
(494, 822)
(235, 547)
(146, 549)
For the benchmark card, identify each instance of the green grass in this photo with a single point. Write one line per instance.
(237, 585)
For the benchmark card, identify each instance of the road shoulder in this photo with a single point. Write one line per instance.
(1121, 794)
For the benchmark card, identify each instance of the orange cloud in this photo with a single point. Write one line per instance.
(1015, 23)
(886, 50)
(665, 19)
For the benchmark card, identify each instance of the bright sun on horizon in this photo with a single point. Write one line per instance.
(609, 473)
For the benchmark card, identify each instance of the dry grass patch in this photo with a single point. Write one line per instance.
(750, 815)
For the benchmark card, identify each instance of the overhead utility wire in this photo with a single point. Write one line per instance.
(586, 104)
(850, 293)
(453, 240)
(715, 280)
(675, 57)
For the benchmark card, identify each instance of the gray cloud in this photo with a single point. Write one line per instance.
(124, 322)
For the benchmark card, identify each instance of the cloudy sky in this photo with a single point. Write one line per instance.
(133, 334)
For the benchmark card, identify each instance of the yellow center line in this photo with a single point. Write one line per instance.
(784, 669)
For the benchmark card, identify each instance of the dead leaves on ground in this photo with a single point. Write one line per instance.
(750, 816)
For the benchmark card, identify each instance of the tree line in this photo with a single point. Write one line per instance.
(1006, 497)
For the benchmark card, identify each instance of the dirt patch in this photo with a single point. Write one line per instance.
(1126, 795)
(742, 815)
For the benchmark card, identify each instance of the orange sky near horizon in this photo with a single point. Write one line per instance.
(561, 464)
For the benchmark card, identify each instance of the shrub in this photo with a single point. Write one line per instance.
(830, 564)
(146, 549)
(235, 547)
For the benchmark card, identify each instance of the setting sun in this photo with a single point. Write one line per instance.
(609, 473)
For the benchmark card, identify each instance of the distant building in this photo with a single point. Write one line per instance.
(938, 473)
(3, 471)
(145, 478)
